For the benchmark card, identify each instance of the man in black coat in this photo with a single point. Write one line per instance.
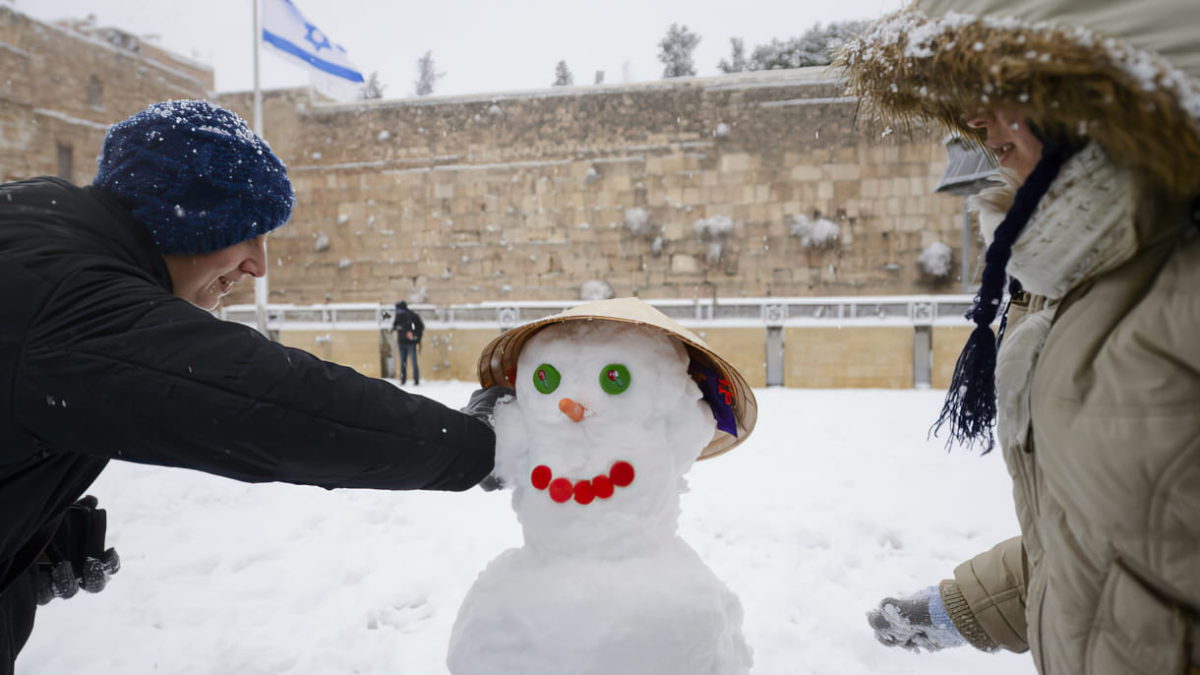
(408, 327)
(108, 351)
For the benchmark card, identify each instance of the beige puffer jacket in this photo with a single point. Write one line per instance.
(1105, 577)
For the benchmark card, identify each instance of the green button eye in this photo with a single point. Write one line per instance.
(546, 378)
(614, 378)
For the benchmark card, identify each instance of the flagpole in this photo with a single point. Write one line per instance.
(260, 282)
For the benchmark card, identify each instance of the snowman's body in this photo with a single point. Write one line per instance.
(603, 584)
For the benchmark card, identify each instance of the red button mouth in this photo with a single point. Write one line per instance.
(562, 490)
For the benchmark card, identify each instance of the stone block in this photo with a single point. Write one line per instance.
(684, 264)
(807, 172)
(735, 162)
(846, 190)
(843, 171)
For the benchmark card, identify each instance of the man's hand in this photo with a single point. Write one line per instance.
(491, 483)
(76, 557)
(915, 622)
(483, 403)
(481, 406)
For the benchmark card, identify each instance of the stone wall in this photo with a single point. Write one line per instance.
(360, 350)
(948, 343)
(65, 84)
(527, 196)
(835, 357)
(18, 130)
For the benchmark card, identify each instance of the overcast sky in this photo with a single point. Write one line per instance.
(481, 45)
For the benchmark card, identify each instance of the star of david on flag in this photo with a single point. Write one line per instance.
(292, 36)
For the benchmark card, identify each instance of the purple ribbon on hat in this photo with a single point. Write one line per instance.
(718, 393)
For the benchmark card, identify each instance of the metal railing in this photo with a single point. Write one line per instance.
(913, 310)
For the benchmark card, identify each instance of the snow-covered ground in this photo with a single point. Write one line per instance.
(836, 501)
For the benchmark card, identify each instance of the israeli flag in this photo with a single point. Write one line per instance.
(291, 35)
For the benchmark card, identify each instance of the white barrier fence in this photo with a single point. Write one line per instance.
(914, 310)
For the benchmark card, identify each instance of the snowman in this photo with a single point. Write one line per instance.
(614, 403)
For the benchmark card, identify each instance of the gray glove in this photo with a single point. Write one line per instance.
(481, 406)
(483, 403)
(491, 483)
(918, 621)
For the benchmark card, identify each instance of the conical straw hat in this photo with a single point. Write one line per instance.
(730, 392)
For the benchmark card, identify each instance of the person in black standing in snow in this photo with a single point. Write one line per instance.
(109, 350)
(408, 327)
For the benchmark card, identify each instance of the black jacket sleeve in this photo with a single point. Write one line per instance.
(119, 368)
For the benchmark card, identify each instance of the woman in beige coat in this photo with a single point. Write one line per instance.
(1093, 108)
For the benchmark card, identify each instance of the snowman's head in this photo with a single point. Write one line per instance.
(605, 424)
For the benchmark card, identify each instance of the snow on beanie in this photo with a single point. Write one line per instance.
(195, 176)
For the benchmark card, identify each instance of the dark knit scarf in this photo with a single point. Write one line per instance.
(970, 407)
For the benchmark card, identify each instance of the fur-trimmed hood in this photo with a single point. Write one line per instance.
(1126, 74)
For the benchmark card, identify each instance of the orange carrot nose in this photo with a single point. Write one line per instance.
(571, 409)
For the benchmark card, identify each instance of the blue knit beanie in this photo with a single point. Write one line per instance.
(195, 175)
